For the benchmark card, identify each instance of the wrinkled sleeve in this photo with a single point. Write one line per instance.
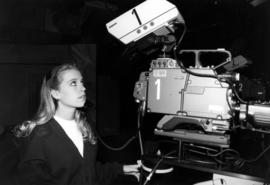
(32, 169)
(107, 172)
(34, 172)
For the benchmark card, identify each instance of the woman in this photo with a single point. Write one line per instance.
(60, 144)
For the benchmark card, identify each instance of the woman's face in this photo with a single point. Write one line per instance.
(71, 91)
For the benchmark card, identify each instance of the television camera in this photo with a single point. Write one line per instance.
(200, 94)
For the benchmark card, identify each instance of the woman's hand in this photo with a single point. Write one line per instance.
(133, 169)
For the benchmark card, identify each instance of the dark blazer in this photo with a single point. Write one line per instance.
(50, 158)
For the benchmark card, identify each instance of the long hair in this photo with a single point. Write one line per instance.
(48, 105)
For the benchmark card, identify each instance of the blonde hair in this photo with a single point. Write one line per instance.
(48, 104)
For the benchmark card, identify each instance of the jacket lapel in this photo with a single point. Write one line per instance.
(66, 140)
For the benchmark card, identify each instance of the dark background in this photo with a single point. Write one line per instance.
(36, 35)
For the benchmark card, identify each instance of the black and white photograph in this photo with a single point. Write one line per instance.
(135, 92)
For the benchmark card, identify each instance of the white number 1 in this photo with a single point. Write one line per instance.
(157, 82)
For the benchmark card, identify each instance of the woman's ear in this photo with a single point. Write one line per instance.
(55, 94)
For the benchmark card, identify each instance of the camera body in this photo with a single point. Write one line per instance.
(168, 89)
(171, 90)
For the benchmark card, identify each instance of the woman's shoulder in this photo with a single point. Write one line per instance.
(43, 130)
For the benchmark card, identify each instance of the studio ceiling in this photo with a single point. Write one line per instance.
(55, 21)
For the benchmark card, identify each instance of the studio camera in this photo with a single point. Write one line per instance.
(184, 91)
(202, 96)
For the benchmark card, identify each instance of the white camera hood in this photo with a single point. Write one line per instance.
(148, 17)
